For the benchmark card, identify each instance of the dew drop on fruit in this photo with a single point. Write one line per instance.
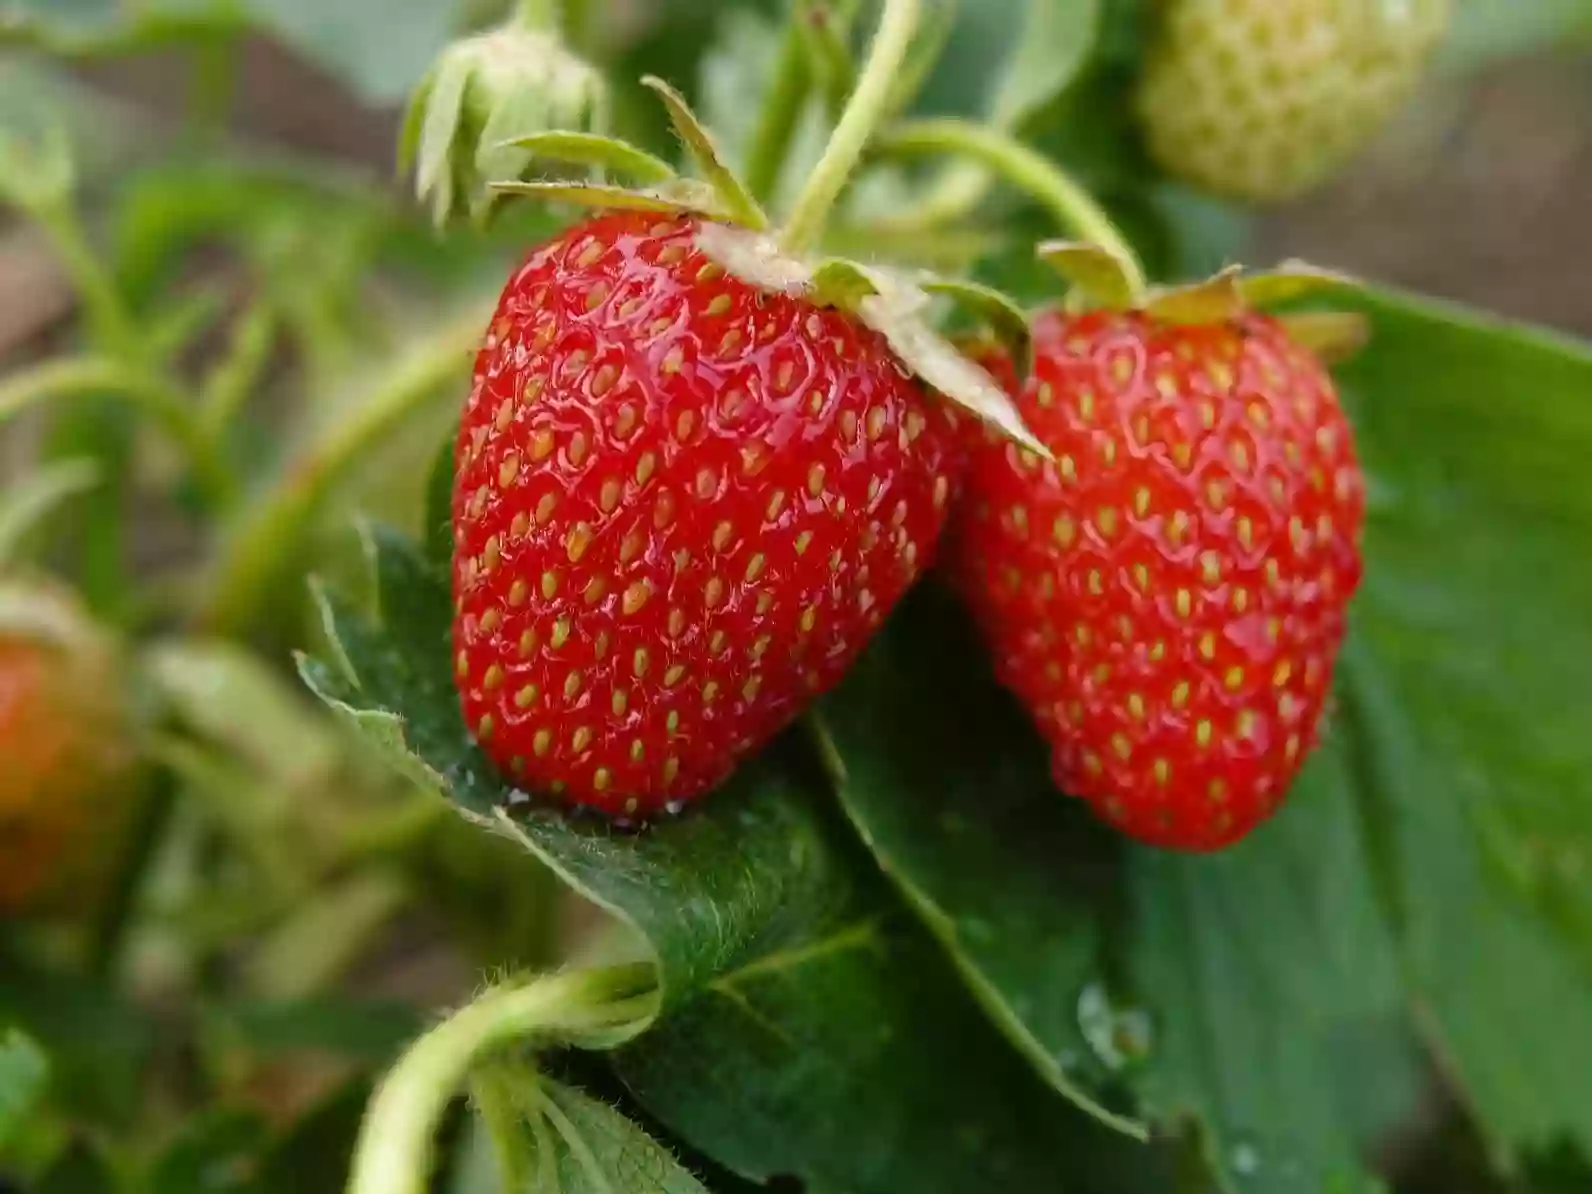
(1120, 1035)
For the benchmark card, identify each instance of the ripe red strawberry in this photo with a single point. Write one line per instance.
(64, 754)
(1168, 597)
(682, 506)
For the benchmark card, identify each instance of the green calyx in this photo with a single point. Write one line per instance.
(1101, 268)
(482, 95)
(1099, 279)
(740, 235)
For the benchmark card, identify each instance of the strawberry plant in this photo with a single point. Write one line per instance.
(775, 613)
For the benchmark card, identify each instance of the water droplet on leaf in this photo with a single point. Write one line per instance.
(1244, 1158)
(1119, 1034)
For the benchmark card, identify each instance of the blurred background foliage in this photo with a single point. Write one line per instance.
(233, 163)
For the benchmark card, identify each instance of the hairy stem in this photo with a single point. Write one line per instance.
(857, 123)
(394, 1152)
(264, 551)
(1024, 168)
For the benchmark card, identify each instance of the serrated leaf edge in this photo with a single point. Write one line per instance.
(321, 597)
(733, 196)
(416, 768)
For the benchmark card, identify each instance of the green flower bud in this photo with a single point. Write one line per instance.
(484, 92)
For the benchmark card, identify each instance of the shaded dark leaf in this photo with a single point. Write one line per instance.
(807, 1027)
(1256, 990)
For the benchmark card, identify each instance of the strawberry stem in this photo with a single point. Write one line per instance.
(393, 1155)
(1026, 169)
(864, 110)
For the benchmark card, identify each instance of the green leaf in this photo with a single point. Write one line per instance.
(1333, 336)
(1273, 980)
(589, 149)
(1471, 694)
(1209, 301)
(1054, 43)
(1256, 990)
(24, 1071)
(1102, 275)
(1003, 316)
(942, 784)
(592, 1149)
(683, 196)
(807, 1026)
(733, 197)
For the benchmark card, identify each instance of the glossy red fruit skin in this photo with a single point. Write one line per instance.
(682, 506)
(1168, 597)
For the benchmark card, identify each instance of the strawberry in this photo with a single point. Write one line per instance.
(1263, 99)
(682, 506)
(64, 753)
(1167, 598)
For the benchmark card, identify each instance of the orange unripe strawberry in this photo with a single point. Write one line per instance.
(66, 755)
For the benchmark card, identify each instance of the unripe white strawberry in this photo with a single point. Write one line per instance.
(1263, 99)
